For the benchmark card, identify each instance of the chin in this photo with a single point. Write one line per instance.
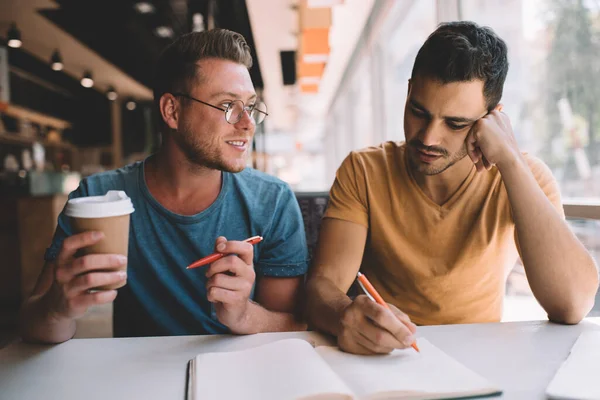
(429, 169)
(234, 167)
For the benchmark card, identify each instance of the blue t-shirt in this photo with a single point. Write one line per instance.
(161, 296)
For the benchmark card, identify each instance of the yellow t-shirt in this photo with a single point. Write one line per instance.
(439, 264)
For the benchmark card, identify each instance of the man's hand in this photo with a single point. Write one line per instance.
(491, 141)
(230, 282)
(69, 296)
(369, 328)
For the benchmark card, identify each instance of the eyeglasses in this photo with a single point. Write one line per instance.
(235, 109)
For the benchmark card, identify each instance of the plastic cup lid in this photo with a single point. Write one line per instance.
(113, 204)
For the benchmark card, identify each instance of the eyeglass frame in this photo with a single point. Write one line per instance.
(244, 107)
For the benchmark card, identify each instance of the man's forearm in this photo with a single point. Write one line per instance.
(258, 319)
(37, 324)
(325, 305)
(560, 271)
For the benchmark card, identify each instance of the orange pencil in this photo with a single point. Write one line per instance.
(372, 293)
(216, 256)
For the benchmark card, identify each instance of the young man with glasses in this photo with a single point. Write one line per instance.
(193, 197)
(437, 222)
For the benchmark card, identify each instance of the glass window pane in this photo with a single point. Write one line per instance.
(405, 32)
(552, 92)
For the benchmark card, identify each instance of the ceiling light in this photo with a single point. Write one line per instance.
(14, 37)
(112, 94)
(87, 81)
(56, 61)
(143, 7)
(131, 105)
(197, 22)
(164, 31)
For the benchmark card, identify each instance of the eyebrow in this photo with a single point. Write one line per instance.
(418, 106)
(231, 95)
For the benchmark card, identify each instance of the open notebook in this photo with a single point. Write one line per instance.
(293, 369)
(578, 376)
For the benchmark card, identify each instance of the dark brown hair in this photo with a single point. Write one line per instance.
(464, 51)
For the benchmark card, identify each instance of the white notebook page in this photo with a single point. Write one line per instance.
(286, 369)
(406, 374)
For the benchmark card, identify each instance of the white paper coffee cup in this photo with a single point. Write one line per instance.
(113, 204)
(109, 214)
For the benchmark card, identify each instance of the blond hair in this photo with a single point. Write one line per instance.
(176, 67)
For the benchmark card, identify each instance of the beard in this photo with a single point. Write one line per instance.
(446, 160)
(203, 153)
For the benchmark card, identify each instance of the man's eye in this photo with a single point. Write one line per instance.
(455, 127)
(417, 113)
(226, 105)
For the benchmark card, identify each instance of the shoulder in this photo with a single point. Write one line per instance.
(260, 184)
(545, 180)
(112, 180)
(379, 152)
(374, 158)
(538, 168)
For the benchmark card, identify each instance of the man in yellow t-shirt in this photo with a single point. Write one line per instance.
(437, 222)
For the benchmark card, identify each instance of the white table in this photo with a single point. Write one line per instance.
(520, 357)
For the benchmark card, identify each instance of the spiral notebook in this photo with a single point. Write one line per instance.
(292, 369)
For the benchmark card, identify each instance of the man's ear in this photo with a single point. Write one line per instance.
(409, 88)
(169, 110)
(499, 107)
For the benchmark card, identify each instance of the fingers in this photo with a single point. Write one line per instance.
(353, 345)
(90, 262)
(380, 340)
(231, 265)
(384, 318)
(404, 318)
(78, 304)
(375, 328)
(475, 154)
(228, 282)
(359, 344)
(75, 242)
(100, 297)
(91, 280)
(220, 239)
(243, 250)
(472, 150)
(220, 295)
(486, 164)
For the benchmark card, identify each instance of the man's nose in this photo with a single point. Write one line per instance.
(431, 134)
(246, 122)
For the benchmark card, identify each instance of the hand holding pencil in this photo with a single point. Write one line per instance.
(230, 281)
(367, 327)
(372, 293)
(216, 256)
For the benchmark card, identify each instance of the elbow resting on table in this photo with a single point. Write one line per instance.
(566, 318)
(571, 314)
(572, 311)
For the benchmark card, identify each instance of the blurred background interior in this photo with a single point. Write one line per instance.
(75, 99)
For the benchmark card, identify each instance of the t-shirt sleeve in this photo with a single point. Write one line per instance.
(547, 183)
(348, 195)
(63, 228)
(284, 252)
